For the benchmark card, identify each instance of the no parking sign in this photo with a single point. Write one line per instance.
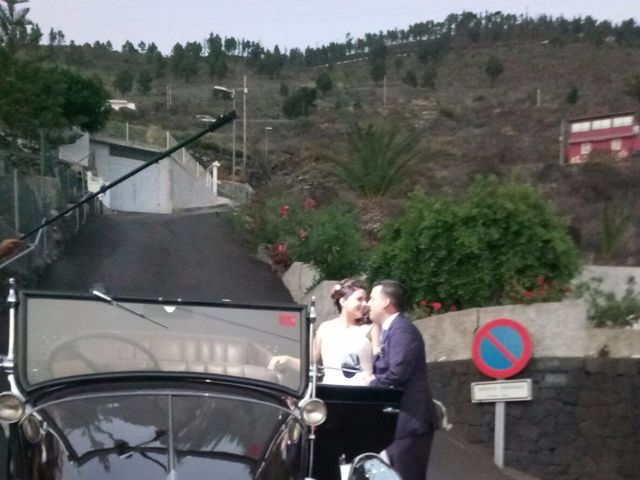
(501, 348)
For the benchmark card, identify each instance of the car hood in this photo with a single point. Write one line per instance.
(144, 435)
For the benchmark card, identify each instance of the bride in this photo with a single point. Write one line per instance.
(349, 338)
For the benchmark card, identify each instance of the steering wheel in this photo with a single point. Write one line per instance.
(72, 350)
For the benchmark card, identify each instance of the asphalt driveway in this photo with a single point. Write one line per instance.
(193, 256)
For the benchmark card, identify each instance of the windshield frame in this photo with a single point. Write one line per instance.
(22, 349)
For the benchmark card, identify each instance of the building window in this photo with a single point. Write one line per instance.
(585, 148)
(580, 127)
(623, 121)
(600, 124)
(616, 144)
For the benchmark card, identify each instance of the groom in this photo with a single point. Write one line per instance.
(401, 363)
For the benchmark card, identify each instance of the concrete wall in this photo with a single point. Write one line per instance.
(165, 187)
(614, 279)
(556, 329)
(582, 424)
(77, 152)
(187, 191)
(148, 191)
(237, 192)
(299, 279)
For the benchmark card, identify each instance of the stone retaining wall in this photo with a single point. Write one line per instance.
(583, 422)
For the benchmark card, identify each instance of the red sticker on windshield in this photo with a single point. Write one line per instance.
(287, 320)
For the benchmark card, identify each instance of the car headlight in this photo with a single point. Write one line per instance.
(32, 429)
(313, 411)
(11, 407)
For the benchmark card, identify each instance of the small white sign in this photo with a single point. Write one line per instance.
(501, 391)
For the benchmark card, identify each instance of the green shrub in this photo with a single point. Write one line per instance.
(329, 238)
(300, 103)
(604, 309)
(476, 251)
(410, 78)
(324, 82)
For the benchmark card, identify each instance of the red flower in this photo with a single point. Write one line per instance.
(436, 306)
(453, 308)
(541, 293)
(302, 234)
(423, 303)
(309, 204)
(281, 248)
(528, 294)
(284, 211)
(539, 280)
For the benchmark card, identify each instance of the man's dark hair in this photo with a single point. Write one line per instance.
(394, 291)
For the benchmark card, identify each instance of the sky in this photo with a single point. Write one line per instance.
(286, 23)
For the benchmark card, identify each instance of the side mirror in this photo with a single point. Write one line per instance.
(370, 466)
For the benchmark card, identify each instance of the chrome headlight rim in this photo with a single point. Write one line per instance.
(313, 411)
(12, 407)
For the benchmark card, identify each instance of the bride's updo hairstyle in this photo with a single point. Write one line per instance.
(345, 288)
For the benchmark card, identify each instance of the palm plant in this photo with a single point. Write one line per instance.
(377, 159)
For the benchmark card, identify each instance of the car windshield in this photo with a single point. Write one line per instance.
(63, 336)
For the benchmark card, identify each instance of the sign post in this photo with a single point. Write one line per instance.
(501, 349)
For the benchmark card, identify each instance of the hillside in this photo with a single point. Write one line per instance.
(467, 126)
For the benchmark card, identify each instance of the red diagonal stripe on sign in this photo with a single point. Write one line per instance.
(501, 347)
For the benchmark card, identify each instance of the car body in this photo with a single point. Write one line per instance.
(103, 388)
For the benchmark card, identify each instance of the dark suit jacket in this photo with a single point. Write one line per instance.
(402, 363)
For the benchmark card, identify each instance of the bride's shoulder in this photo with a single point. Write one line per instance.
(328, 324)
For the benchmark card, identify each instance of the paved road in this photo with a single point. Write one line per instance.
(188, 256)
(453, 459)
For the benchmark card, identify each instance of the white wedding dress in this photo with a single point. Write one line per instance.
(338, 344)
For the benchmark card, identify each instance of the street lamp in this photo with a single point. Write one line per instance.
(266, 144)
(231, 92)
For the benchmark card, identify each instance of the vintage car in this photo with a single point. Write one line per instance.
(121, 388)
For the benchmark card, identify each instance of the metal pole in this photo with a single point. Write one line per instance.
(214, 180)
(16, 200)
(498, 435)
(384, 92)
(266, 144)
(233, 153)
(244, 126)
(562, 141)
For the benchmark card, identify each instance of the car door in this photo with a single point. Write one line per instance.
(359, 419)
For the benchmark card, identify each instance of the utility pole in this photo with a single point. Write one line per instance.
(384, 92)
(562, 140)
(232, 92)
(266, 145)
(244, 126)
(233, 142)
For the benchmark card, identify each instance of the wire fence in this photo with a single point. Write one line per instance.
(27, 199)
